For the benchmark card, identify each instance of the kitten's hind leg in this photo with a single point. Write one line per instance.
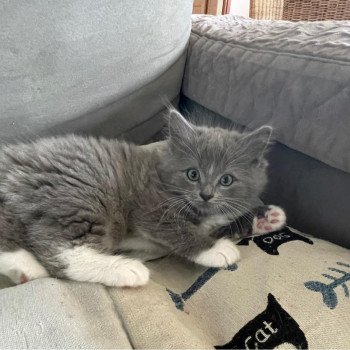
(21, 266)
(15, 262)
(88, 265)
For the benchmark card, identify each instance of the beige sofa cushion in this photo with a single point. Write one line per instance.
(54, 314)
(287, 289)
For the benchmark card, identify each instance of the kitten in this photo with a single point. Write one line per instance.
(82, 208)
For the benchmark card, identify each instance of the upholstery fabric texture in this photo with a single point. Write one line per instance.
(292, 76)
(62, 61)
(288, 288)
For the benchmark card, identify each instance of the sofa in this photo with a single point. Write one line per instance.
(108, 68)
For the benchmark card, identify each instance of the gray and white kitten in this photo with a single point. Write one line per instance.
(84, 208)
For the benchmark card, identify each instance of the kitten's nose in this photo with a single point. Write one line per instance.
(206, 196)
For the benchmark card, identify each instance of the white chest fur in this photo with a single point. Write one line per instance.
(214, 222)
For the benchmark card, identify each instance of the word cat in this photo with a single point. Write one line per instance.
(268, 330)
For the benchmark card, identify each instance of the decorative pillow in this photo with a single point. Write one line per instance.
(288, 290)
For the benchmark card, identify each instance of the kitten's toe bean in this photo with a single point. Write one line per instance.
(222, 254)
(23, 278)
(21, 266)
(132, 274)
(274, 219)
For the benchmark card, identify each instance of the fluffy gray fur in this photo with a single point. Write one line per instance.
(60, 193)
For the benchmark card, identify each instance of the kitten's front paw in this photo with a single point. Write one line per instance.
(273, 219)
(132, 274)
(222, 254)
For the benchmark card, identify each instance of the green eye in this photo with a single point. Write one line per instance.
(226, 180)
(193, 174)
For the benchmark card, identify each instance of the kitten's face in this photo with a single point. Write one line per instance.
(212, 171)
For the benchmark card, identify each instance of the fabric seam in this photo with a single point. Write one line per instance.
(287, 54)
(119, 317)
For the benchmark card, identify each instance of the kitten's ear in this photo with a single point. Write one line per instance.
(179, 127)
(257, 143)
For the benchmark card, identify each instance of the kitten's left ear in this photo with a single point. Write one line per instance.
(179, 127)
(257, 143)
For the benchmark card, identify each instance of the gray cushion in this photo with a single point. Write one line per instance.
(61, 60)
(314, 195)
(135, 116)
(293, 76)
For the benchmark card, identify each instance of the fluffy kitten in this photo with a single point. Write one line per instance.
(82, 208)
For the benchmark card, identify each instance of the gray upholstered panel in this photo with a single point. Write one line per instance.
(133, 114)
(293, 76)
(61, 60)
(315, 196)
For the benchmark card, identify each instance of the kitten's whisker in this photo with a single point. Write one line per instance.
(183, 208)
(165, 202)
(237, 222)
(168, 211)
(178, 214)
(170, 202)
(240, 204)
(230, 210)
(225, 213)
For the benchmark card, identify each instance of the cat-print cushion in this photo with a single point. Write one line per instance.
(288, 290)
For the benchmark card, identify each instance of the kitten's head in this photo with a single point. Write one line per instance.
(213, 171)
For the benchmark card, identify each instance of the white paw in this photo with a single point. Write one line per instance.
(215, 221)
(131, 274)
(21, 266)
(274, 220)
(222, 254)
(26, 274)
(88, 265)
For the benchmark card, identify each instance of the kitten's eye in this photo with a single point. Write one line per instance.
(226, 180)
(193, 174)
